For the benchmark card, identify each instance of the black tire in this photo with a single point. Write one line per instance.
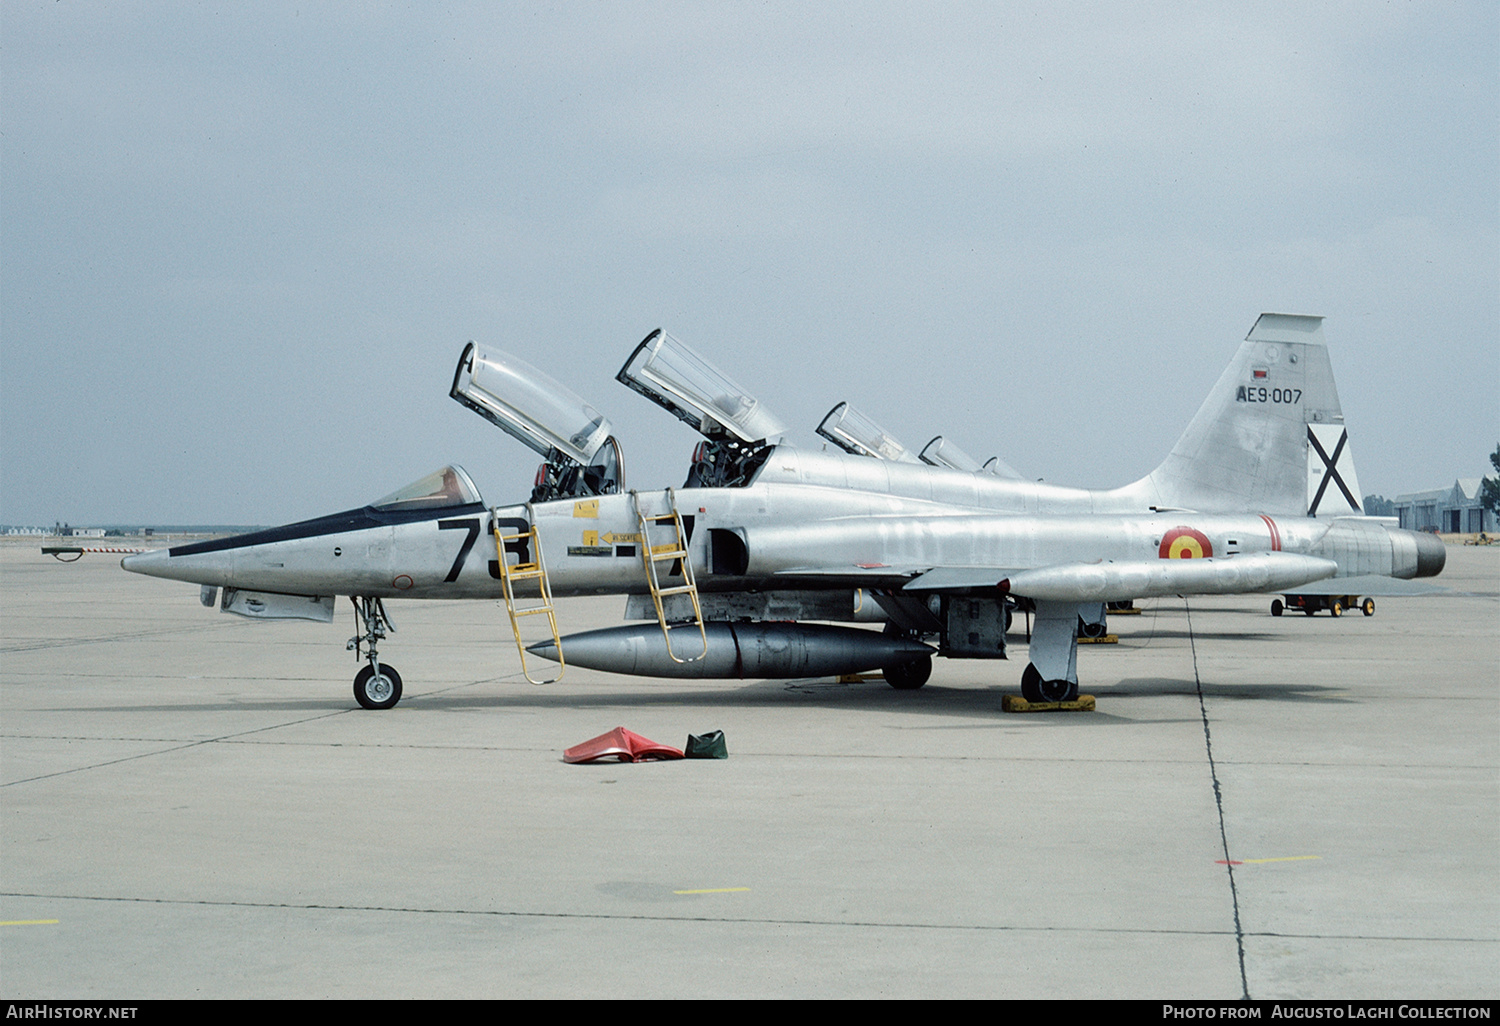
(1031, 682)
(910, 675)
(377, 693)
(1058, 690)
(1367, 607)
(1336, 608)
(1276, 607)
(1091, 630)
(1034, 689)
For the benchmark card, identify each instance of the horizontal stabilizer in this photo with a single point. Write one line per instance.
(1369, 584)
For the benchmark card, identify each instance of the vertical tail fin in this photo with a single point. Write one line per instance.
(1270, 436)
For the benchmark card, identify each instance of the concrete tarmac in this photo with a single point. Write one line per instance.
(194, 806)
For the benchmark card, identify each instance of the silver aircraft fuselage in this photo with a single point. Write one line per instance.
(782, 533)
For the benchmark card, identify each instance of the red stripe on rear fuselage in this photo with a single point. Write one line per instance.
(1275, 533)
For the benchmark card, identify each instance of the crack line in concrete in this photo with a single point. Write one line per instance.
(1213, 772)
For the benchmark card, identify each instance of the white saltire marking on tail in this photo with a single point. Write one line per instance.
(1329, 461)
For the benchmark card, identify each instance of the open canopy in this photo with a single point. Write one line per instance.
(940, 452)
(858, 435)
(671, 374)
(527, 404)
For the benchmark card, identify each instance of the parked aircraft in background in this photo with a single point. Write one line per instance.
(746, 569)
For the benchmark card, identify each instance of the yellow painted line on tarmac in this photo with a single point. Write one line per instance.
(30, 922)
(1289, 858)
(714, 890)
(1254, 862)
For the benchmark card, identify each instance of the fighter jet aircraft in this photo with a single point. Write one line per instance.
(748, 568)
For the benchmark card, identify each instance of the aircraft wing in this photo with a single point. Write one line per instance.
(957, 578)
(1117, 582)
(1369, 584)
(868, 575)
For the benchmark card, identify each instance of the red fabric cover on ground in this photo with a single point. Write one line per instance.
(622, 744)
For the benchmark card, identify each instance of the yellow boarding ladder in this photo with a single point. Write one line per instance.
(535, 570)
(676, 549)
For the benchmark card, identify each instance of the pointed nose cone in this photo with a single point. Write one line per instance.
(153, 563)
(206, 568)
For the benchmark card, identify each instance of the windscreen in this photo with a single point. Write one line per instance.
(440, 489)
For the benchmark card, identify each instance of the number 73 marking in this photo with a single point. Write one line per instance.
(517, 545)
(472, 526)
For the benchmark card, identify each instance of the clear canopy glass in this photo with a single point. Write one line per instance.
(669, 373)
(525, 403)
(942, 453)
(440, 489)
(995, 465)
(856, 433)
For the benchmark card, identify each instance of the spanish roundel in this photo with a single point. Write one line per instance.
(1185, 543)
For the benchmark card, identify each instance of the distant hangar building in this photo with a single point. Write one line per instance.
(1453, 510)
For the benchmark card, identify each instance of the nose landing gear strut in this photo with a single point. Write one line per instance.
(375, 686)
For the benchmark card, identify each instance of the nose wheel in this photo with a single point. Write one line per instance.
(377, 685)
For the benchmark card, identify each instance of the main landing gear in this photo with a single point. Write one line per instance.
(375, 686)
(910, 675)
(1052, 673)
(1035, 689)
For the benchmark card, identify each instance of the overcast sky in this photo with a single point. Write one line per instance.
(244, 244)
